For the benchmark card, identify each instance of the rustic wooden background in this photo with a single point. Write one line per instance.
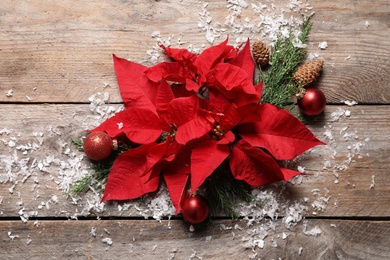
(55, 55)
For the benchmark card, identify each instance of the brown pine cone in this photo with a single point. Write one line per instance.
(308, 72)
(260, 53)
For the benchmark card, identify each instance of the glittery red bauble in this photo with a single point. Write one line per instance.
(195, 209)
(98, 146)
(313, 102)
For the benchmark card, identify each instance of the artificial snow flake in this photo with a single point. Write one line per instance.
(323, 45)
(315, 231)
(93, 231)
(107, 240)
(372, 182)
(350, 102)
(12, 237)
(9, 93)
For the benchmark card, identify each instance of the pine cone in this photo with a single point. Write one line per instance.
(308, 72)
(260, 53)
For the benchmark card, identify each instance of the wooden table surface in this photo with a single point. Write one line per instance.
(56, 66)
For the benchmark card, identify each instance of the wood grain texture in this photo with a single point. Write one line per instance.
(140, 239)
(61, 52)
(36, 167)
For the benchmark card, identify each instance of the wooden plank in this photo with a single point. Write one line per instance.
(62, 52)
(140, 239)
(346, 178)
(353, 31)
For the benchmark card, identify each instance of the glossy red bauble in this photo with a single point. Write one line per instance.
(195, 209)
(98, 146)
(313, 102)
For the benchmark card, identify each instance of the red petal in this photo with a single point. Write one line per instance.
(205, 158)
(234, 83)
(140, 125)
(244, 60)
(283, 135)
(164, 97)
(233, 115)
(228, 138)
(216, 103)
(192, 85)
(288, 174)
(135, 173)
(170, 71)
(136, 89)
(254, 166)
(210, 57)
(180, 90)
(259, 88)
(193, 129)
(179, 54)
(176, 175)
(190, 120)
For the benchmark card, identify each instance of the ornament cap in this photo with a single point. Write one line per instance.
(115, 144)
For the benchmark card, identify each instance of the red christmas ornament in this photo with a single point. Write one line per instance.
(98, 146)
(313, 102)
(195, 209)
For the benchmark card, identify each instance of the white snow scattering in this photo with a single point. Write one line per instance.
(12, 237)
(98, 104)
(372, 182)
(350, 102)
(108, 241)
(93, 231)
(204, 23)
(241, 19)
(195, 255)
(157, 206)
(9, 93)
(315, 231)
(323, 45)
(347, 58)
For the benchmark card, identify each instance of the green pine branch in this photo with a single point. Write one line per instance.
(96, 180)
(224, 191)
(279, 87)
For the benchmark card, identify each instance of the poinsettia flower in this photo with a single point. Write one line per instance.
(185, 134)
(195, 71)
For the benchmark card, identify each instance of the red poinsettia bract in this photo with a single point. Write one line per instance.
(190, 115)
